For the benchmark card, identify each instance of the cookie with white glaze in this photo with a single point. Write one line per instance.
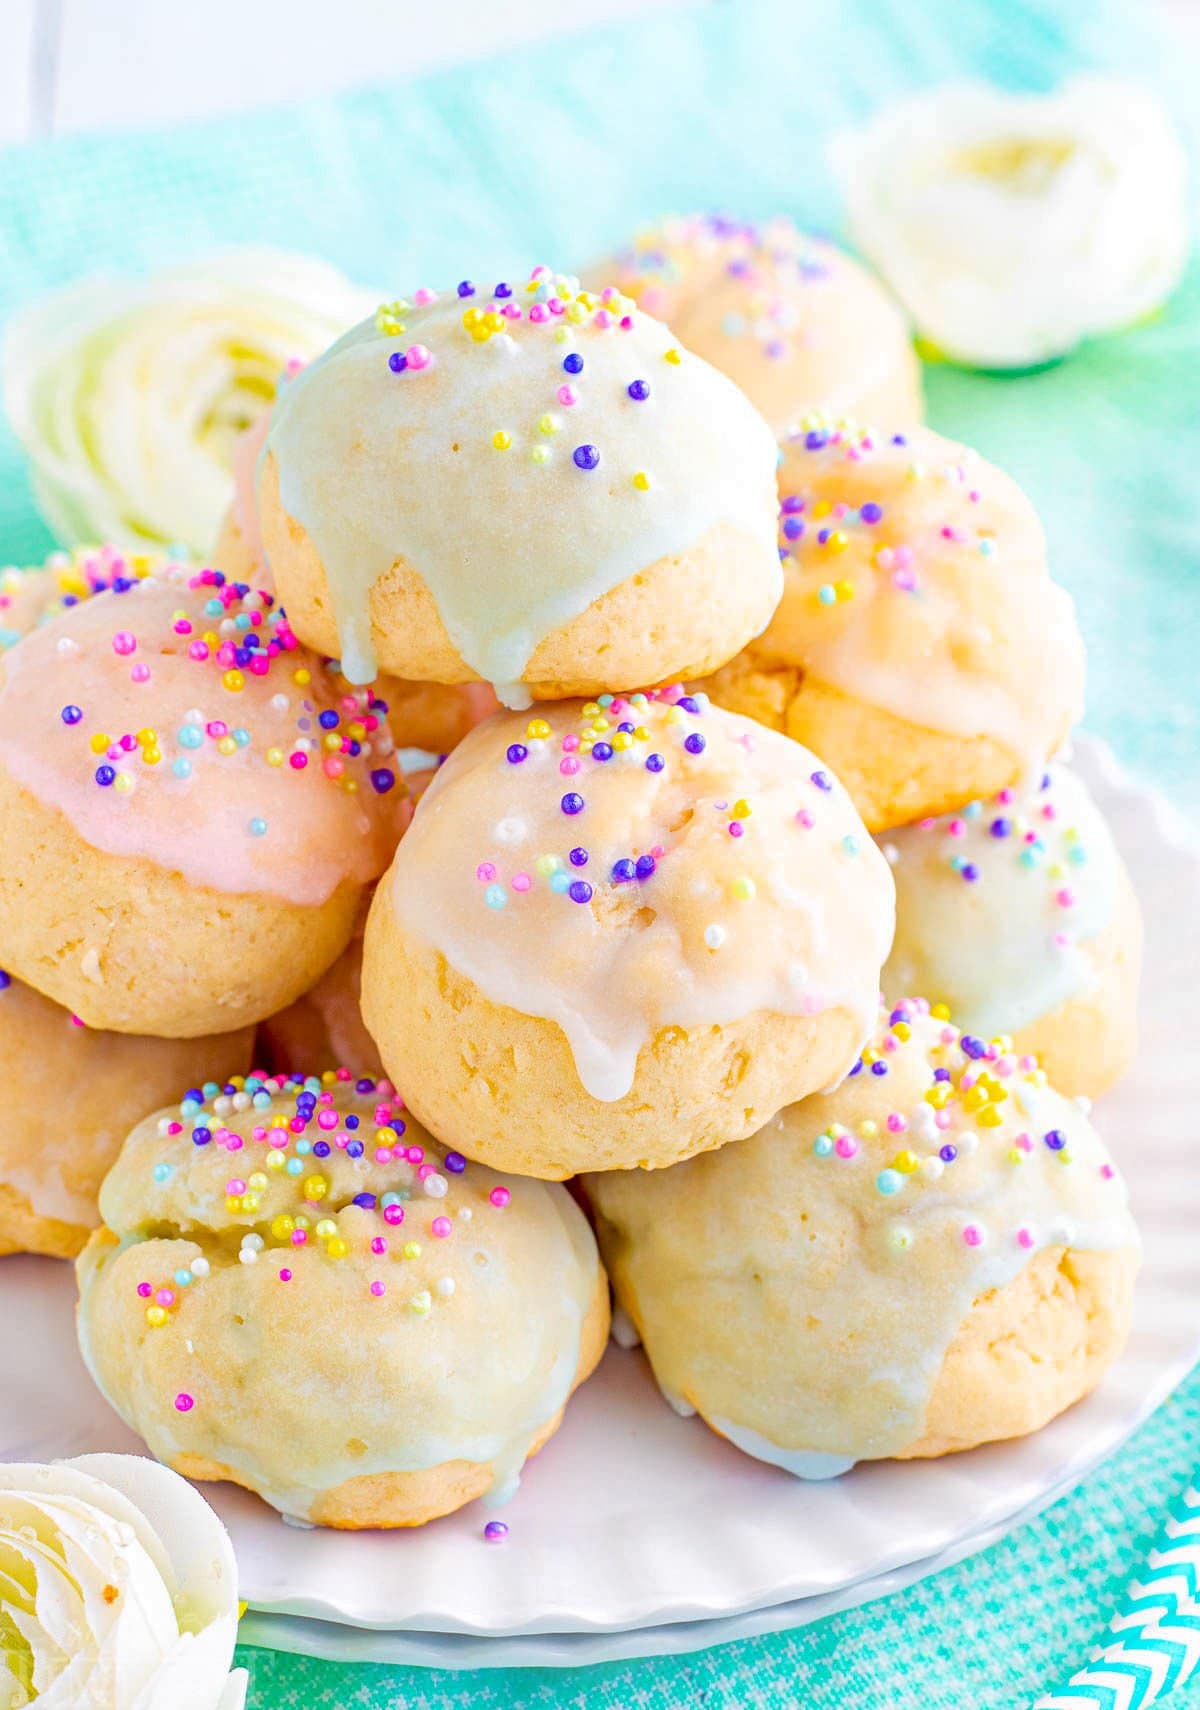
(521, 483)
(191, 805)
(622, 932)
(938, 1254)
(920, 647)
(1017, 915)
(71, 1096)
(796, 323)
(298, 1290)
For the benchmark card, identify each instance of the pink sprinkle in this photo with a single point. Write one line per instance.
(425, 1171)
(285, 1275)
(539, 312)
(485, 873)
(165, 1297)
(521, 881)
(124, 643)
(236, 1186)
(184, 1402)
(327, 1119)
(1025, 1238)
(500, 1196)
(423, 296)
(569, 765)
(416, 1154)
(175, 1128)
(896, 1123)
(393, 1214)
(973, 1235)
(1065, 898)
(418, 356)
(140, 674)
(378, 1289)
(1024, 1142)
(145, 1290)
(602, 318)
(805, 819)
(567, 395)
(299, 1237)
(379, 1245)
(1005, 796)
(383, 1155)
(737, 829)
(845, 1146)
(1107, 1171)
(570, 744)
(441, 1226)
(957, 828)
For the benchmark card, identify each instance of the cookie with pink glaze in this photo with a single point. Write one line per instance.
(788, 316)
(191, 805)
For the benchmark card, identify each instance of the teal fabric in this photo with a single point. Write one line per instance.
(556, 152)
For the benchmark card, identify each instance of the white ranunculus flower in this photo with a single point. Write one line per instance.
(128, 396)
(1012, 226)
(118, 1590)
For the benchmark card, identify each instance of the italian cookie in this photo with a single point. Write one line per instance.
(529, 485)
(325, 1027)
(920, 646)
(938, 1254)
(71, 1097)
(297, 1289)
(1018, 915)
(191, 805)
(622, 932)
(789, 317)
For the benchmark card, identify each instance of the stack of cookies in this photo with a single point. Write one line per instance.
(772, 732)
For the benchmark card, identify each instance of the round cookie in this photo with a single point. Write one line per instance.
(527, 485)
(325, 1027)
(938, 1254)
(791, 318)
(297, 1289)
(623, 932)
(920, 646)
(71, 1096)
(1018, 915)
(191, 805)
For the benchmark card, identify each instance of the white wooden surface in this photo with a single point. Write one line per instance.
(74, 65)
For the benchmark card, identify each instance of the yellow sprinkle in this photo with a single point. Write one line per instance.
(576, 312)
(844, 590)
(276, 1159)
(989, 1118)
(337, 1248)
(837, 541)
(472, 317)
(303, 676)
(326, 1227)
(156, 1316)
(315, 1187)
(274, 756)
(940, 1011)
(332, 741)
(147, 737)
(821, 508)
(1015, 1155)
(501, 440)
(480, 333)
(422, 1302)
(902, 1031)
(622, 739)
(233, 680)
(281, 1227)
(905, 1162)
(123, 783)
(99, 743)
(642, 481)
(868, 1128)
(673, 356)
(411, 1249)
(740, 809)
(538, 729)
(539, 454)
(744, 888)
(257, 1181)
(301, 1221)
(242, 1608)
(227, 745)
(233, 1204)
(549, 423)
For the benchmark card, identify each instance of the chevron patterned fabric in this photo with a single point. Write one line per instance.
(1155, 1644)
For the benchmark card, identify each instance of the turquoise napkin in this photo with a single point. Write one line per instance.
(555, 152)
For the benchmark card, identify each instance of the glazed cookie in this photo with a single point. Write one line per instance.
(1017, 913)
(71, 1097)
(792, 319)
(190, 807)
(623, 932)
(920, 647)
(33, 596)
(297, 1289)
(936, 1255)
(527, 485)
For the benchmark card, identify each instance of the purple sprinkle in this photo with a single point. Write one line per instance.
(355, 1149)
(365, 1200)
(495, 1530)
(580, 891)
(654, 763)
(502, 291)
(455, 1163)
(105, 776)
(573, 364)
(638, 391)
(688, 703)
(1000, 827)
(871, 512)
(815, 440)
(623, 871)
(793, 528)
(397, 362)
(71, 715)
(465, 288)
(822, 780)
(602, 751)
(879, 1068)
(321, 1149)
(695, 743)
(1055, 1139)
(791, 505)
(578, 857)
(5, 980)
(382, 780)
(948, 1154)
(645, 866)
(572, 803)
(517, 752)
(972, 1047)
(970, 872)
(585, 456)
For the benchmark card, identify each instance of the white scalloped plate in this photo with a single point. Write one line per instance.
(632, 1517)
